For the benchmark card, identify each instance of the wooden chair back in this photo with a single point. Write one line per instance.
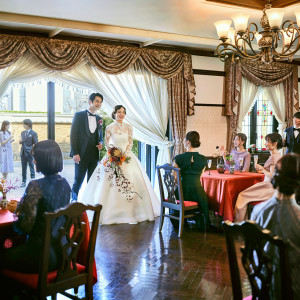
(167, 187)
(257, 260)
(70, 238)
(168, 184)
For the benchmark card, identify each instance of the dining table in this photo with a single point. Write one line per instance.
(8, 238)
(222, 190)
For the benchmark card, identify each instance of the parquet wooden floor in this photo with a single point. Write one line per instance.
(137, 262)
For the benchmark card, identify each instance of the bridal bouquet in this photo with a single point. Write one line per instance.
(115, 158)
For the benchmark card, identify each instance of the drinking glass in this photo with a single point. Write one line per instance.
(255, 161)
(241, 161)
(209, 165)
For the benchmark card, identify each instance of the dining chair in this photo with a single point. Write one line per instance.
(70, 273)
(168, 184)
(257, 259)
(250, 208)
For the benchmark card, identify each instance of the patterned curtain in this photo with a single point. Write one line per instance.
(261, 75)
(63, 55)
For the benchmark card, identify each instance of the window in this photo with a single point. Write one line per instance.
(259, 121)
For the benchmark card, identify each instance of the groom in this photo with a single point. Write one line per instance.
(86, 141)
(292, 139)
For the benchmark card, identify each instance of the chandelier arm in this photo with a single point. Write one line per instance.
(229, 49)
(286, 53)
(246, 41)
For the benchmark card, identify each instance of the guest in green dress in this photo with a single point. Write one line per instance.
(192, 165)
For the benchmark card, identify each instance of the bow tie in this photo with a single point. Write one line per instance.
(90, 114)
(298, 129)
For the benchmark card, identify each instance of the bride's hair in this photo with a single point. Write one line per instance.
(116, 108)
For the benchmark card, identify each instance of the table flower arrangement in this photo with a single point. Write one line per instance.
(5, 187)
(231, 162)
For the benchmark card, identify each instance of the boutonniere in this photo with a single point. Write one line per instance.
(100, 122)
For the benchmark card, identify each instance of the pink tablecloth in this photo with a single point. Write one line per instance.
(222, 189)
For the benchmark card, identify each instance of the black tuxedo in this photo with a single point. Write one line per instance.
(83, 142)
(28, 140)
(292, 143)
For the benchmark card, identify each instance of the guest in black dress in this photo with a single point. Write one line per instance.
(192, 165)
(281, 215)
(42, 195)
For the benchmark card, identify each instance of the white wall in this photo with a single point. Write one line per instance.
(209, 121)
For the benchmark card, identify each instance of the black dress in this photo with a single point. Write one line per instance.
(191, 170)
(42, 195)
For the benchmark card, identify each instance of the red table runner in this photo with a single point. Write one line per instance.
(222, 189)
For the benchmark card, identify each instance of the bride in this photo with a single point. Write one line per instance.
(125, 192)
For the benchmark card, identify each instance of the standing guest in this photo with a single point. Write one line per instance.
(42, 195)
(241, 156)
(261, 191)
(192, 165)
(292, 136)
(6, 153)
(281, 215)
(28, 139)
(86, 141)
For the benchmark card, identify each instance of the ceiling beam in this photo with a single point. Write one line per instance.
(55, 32)
(256, 4)
(60, 23)
(150, 42)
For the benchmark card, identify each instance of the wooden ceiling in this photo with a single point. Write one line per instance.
(256, 4)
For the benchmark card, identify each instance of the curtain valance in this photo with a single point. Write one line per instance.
(64, 55)
(261, 75)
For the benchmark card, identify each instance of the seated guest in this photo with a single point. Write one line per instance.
(281, 215)
(42, 195)
(261, 191)
(240, 155)
(192, 165)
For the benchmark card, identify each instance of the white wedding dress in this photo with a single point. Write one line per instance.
(125, 199)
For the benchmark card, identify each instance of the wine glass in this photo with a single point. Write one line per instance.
(255, 160)
(209, 165)
(241, 161)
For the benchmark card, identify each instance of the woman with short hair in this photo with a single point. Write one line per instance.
(41, 195)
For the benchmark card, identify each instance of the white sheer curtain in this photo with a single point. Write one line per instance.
(144, 95)
(277, 99)
(26, 69)
(249, 91)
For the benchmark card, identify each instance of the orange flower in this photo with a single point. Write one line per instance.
(122, 158)
(110, 159)
(120, 163)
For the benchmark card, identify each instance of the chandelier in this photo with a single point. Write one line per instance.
(275, 42)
